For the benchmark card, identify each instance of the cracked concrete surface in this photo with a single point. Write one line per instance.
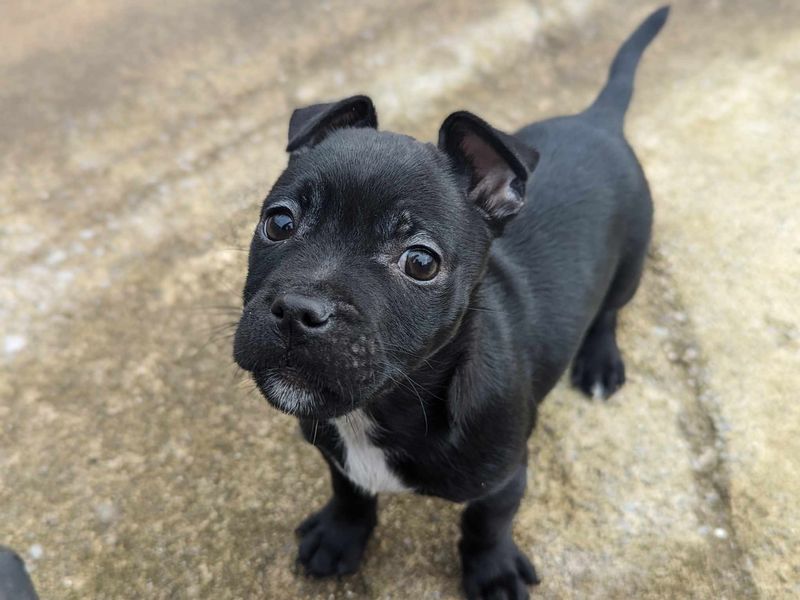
(136, 141)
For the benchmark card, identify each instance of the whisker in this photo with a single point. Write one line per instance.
(217, 333)
(396, 349)
(407, 376)
(234, 248)
(413, 389)
(218, 327)
(421, 401)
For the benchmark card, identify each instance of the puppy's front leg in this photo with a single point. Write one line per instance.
(332, 541)
(492, 565)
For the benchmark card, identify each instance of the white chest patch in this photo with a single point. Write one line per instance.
(365, 463)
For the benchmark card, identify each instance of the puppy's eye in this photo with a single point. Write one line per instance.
(278, 226)
(420, 263)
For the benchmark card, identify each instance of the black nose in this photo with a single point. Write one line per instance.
(301, 312)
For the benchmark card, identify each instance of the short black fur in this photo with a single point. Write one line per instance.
(539, 238)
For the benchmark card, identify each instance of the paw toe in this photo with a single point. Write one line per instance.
(526, 570)
(322, 563)
(332, 545)
(600, 375)
(503, 572)
(308, 546)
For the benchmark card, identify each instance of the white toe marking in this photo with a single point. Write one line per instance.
(365, 463)
(598, 391)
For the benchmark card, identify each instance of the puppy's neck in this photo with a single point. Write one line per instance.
(424, 394)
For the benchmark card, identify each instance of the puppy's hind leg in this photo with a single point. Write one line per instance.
(598, 369)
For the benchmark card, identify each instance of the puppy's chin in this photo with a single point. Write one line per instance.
(298, 397)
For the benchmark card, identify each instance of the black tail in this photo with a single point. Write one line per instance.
(614, 98)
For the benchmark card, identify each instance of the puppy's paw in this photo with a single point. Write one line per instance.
(500, 572)
(598, 370)
(333, 543)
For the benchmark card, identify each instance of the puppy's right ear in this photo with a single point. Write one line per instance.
(312, 124)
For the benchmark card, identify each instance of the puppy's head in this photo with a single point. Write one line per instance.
(367, 251)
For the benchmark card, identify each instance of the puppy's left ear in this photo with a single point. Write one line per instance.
(495, 165)
(312, 124)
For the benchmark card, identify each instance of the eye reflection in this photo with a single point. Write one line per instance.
(420, 263)
(278, 226)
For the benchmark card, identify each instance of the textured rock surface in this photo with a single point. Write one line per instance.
(135, 144)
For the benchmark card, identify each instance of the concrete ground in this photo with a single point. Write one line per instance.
(136, 142)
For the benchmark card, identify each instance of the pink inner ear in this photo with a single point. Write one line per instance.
(482, 156)
(492, 177)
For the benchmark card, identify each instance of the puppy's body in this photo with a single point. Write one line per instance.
(573, 253)
(442, 402)
(576, 247)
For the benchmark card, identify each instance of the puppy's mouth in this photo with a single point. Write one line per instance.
(299, 394)
(319, 375)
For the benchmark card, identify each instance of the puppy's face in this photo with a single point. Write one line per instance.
(361, 266)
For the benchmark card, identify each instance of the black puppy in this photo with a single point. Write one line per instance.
(412, 304)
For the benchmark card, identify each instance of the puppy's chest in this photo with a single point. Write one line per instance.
(365, 464)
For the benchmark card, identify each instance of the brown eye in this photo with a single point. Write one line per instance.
(278, 226)
(420, 263)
